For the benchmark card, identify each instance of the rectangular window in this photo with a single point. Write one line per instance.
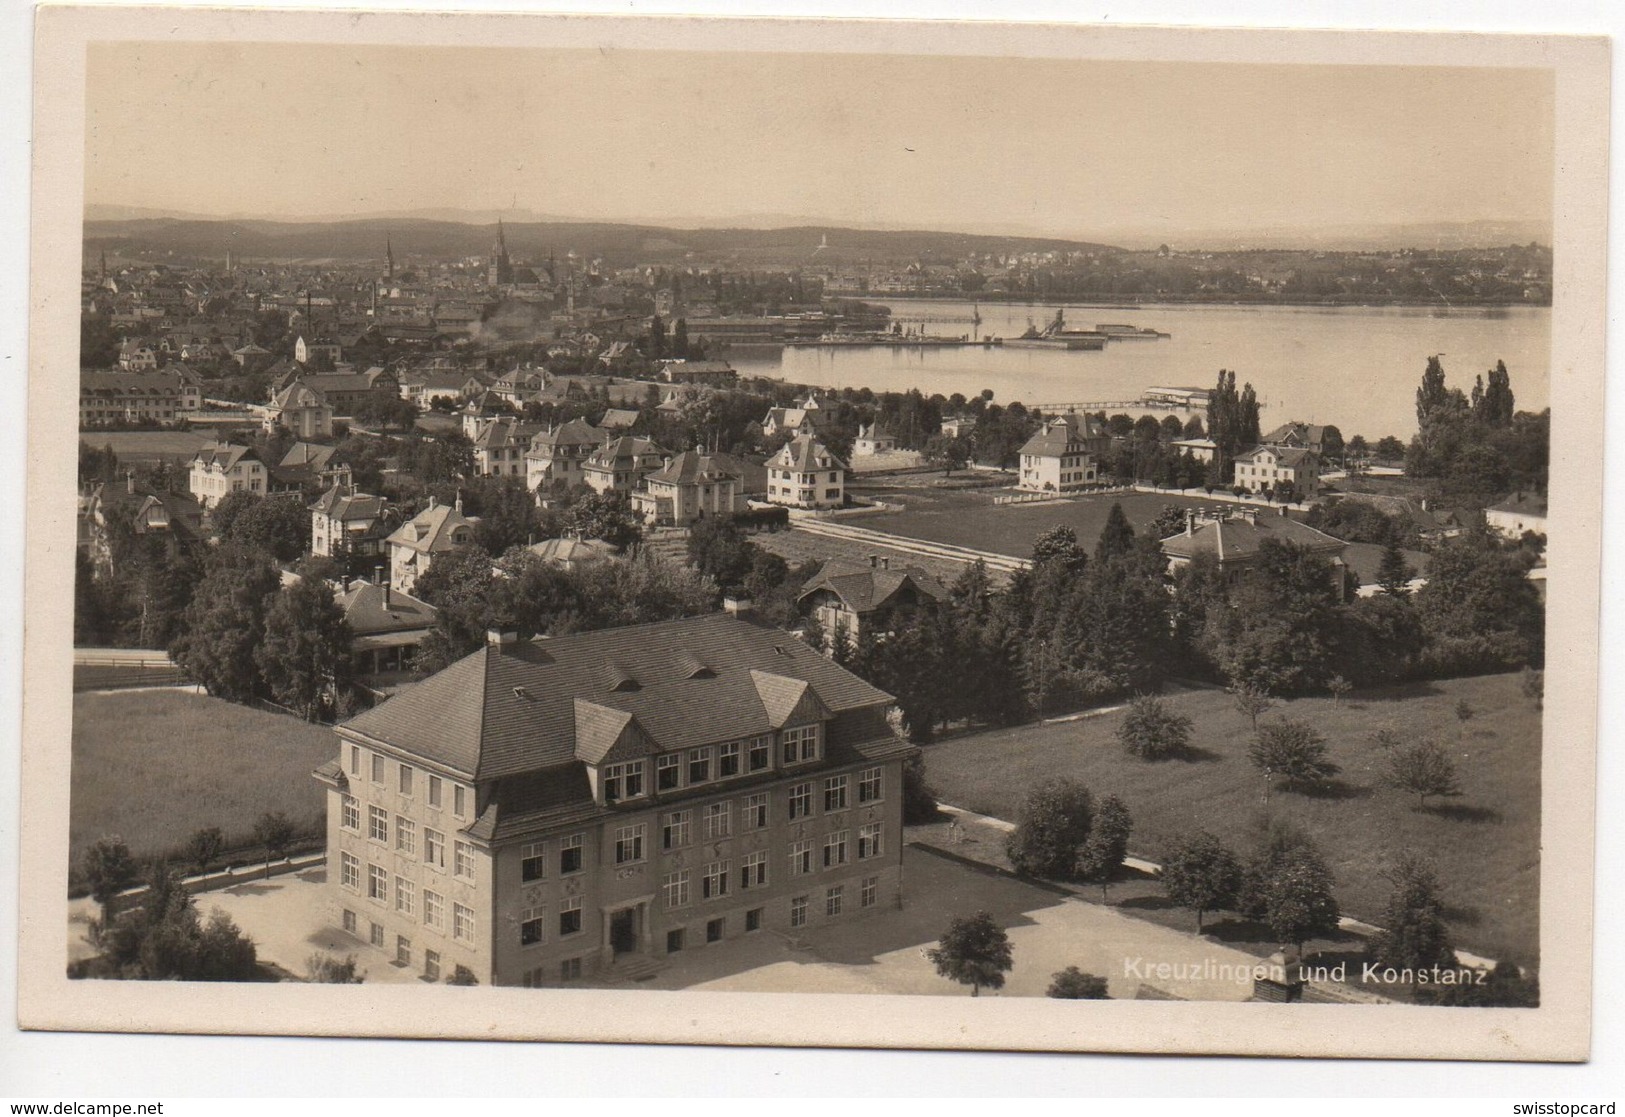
(753, 920)
(570, 969)
(668, 772)
(833, 899)
(800, 801)
(718, 820)
(533, 861)
(570, 854)
(678, 829)
(434, 910)
(405, 784)
(728, 760)
(801, 857)
(699, 765)
(675, 886)
(377, 769)
(434, 792)
(431, 965)
(462, 863)
(715, 929)
(459, 800)
(835, 849)
(869, 841)
(377, 884)
(570, 917)
(375, 934)
(406, 896)
(753, 871)
(798, 911)
(355, 760)
(350, 872)
(674, 940)
(754, 814)
(462, 923)
(869, 785)
(350, 814)
(406, 835)
(530, 926)
(869, 895)
(629, 844)
(761, 753)
(434, 848)
(349, 921)
(378, 824)
(715, 882)
(835, 793)
(623, 781)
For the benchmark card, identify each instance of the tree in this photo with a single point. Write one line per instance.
(1413, 935)
(109, 870)
(324, 969)
(1340, 688)
(1201, 875)
(1394, 574)
(1150, 731)
(1058, 547)
(225, 623)
(1116, 538)
(607, 516)
(273, 831)
(717, 547)
(947, 453)
(919, 800)
(1422, 769)
(278, 524)
(305, 656)
(462, 975)
(1533, 685)
(167, 941)
(507, 514)
(1478, 599)
(973, 951)
(1053, 826)
(1296, 895)
(1464, 713)
(203, 848)
(1103, 852)
(1506, 986)
(1072, 984)
(1251, 702)
(1292, 750)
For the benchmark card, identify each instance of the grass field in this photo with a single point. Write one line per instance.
(147, 446)
(1485, 844)
(153, 766)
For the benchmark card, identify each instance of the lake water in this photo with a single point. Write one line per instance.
(1355, 367)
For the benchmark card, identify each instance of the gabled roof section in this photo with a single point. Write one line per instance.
(443, 718)
(788, 701)
(604, 735)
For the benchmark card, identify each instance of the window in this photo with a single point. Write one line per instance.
(800, 857)
(678, 829)
(462, 863)
(570, 855)
(800, 744)
(377, 884)
(406, 835)
(405, 784)
(375, 934)
(350, 872)
(869, 785)
(403, 950)
(833, 899)
(355, 760)
(350, 814)
(459, 800)
(753, 871)
(676, 889)
(434, 792)
(714, 929)
(532, 861)
(715, 882)
(869, 895)
(570, 969)
(753, 920)
(434, 910)
(377, 769)
(699, 765)
(754, 816)
(462, 923)
(349, 921)
(668, 772)
(869, 843)
(434, 848)
(530, 926)
(406, 896)
(835, 793)
(800, 801)
(378, 824)
(761, 753)
(728, 760)
(629, 844)
(798, 911)
(623, 781)
(835, 849)
(431, 965)
(718, 820)
(570, 917)
(674, 940)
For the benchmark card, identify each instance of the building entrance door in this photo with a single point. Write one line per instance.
(623, 931)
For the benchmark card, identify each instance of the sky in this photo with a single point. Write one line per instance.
(1055, 147)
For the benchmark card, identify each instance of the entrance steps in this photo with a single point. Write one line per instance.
(630, 969)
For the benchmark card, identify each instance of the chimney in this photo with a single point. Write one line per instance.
(431, 501)
(459, 505)
(737, 606)
(1190, 521)
(498, 638)
(386, 595)
(129, 481)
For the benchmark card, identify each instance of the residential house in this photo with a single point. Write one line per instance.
(175, 517)
(570, 553)
(310, 467)
(958, 426)
(306, 350)
(1202, 449)
(584, 807)
(519, 386)
(1297, 436)
(686, 487)
(873, 439)
(1524, 512)
(138, 355)
(424, 387)
(348, 392)
(798, 420)
(1270, 468)
(804, 474)
(414, 545)
(1234, 537)
(500, 446)
(220, 468)
(619, 419)
(719, 374)
(301, 409)
(558, 455)
(847, 599)
(350, 527)
(621, 464)
(388, 625)
(1064, 455)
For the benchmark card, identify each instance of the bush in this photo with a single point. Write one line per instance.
(462, 975)
(1294, 751)
(1053, 827)
(1072, 984)
(1151, 731)
(324, 969)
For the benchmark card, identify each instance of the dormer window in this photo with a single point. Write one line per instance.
(800, 744)
(623, 781)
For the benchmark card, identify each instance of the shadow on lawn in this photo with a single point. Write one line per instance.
(249, 889)
(1335, 789)
(1461, 812)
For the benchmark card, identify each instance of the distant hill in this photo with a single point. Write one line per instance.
(363, 239)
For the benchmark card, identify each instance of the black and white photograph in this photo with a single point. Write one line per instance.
(573, 522)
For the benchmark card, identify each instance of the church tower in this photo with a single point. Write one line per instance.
(501, 270)
(389, 258)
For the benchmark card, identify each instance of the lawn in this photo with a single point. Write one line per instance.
(1485, 844)
(154, 766)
